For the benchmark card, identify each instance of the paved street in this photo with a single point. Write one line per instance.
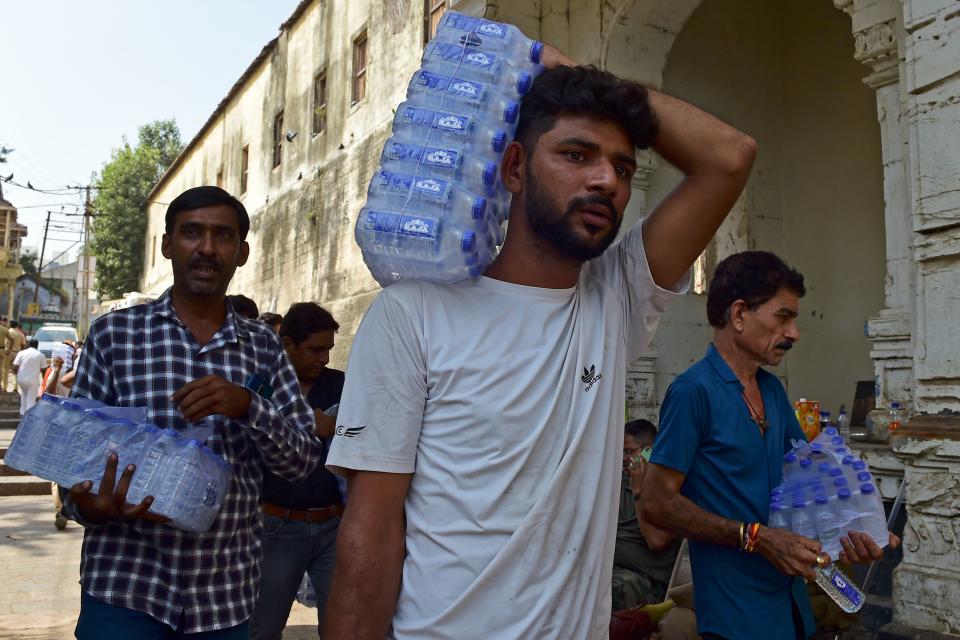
(40, 572)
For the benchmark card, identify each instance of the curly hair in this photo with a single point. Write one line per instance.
(751, 276)
(585, 91)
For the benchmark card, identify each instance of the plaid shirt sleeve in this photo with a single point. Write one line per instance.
(283, 428)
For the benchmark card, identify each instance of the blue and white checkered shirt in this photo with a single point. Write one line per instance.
(139, 357)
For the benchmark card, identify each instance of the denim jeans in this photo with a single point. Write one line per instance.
(291, 549)
(102, 621)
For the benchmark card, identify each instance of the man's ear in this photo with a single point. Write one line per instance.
(513, 167)
(737, 310)
(287, 342)
(165, 242)
(244, 253)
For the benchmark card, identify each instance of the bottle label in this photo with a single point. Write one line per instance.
(439, 120)
(456, 53)
(849, 591)
(454, 86)
(458, 22)
(430, 156)
(402, 183)
(404, 225)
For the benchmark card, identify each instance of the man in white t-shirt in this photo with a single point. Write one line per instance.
(480, 419)
(28, 365)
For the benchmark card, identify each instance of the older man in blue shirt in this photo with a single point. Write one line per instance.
(724, 428)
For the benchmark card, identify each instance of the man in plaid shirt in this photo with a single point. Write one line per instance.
(186, 357)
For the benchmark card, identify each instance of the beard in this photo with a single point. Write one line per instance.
(557, 229)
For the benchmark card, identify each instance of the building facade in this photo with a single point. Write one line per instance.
(852, 103)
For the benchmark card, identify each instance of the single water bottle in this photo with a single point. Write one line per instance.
(843, 423)
(487, 35)
(872, 517)
(408, 235)
(895, 417)
(828, 530)
(182, 485)
(474, 172)
(825, 422)
(30, 432)
(386, 270)
(845, 510)
(779, 516)
(801, 520)
(463, 96)
(113, 439)
(840, 588)
(495, 69)
(53, 448)
(424, 194)
(149, 476)
(446, 127)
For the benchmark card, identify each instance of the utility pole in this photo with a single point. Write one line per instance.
(86, 272)
(43, 249)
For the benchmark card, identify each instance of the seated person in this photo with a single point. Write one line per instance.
(640, 573)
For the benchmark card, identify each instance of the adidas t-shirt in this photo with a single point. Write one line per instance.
(506, 403)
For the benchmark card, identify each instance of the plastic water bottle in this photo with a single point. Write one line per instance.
(88, 436)
(846, 510)
(446, 127)
(148, 478)
(30, 432)
(779, 516)
(872, 517)
(408, 235)
(495, 69)
(843, 423)
(52, 449)
(488, 36)
(392, 189)
(828, 530)
(801, 520)
(825, 422)
(475, 172)
(197, 496)
(895, 417)
(462, 96)
(840, 588)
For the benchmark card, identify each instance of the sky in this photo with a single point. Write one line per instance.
(76, 77)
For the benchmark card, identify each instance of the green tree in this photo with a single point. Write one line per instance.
(121, 206)
(28, 262)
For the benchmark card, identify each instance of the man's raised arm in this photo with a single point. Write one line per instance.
(715, 159)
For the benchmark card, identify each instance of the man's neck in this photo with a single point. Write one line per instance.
(741, 363)
(203, 315)
(525, 260)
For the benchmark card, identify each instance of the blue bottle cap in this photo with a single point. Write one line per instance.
(816, 447)
(790, 457)
(843, 493)
(840, 482)
(511, 112)
(777, 491)
(536, 52)
(825, 414)
(835, 471)
(821, 499)
(859, 465)
(471, 260)
(479, 208)
(837, 441)
(799, 504)
(490, 174)
(848, 459)
(867, 488)
(864, 476)
(824, 467)
(524, 82)
(193, 442)
(830, 431)
(805, 462)
(499, 141)
(469, 241)
(841, 451)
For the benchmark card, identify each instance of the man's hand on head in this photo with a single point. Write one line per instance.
(212, 396)
(553, 57)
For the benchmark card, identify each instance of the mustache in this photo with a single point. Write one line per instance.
(596, 198)
(203, 262)
(786, 345)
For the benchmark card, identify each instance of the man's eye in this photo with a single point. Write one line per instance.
(574, 155)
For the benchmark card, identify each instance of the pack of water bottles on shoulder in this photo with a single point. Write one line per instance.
(436, 207)
(68, 441)
(826, 492)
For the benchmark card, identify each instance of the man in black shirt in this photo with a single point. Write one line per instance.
(300, 519)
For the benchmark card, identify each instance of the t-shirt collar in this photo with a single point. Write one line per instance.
(720, 365)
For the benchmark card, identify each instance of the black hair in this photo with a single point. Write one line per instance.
(206, 196)
(585, 91)
(14, 324)
(304, 319)
(270, 318)
(244, 306)
(640, 428)
(751, 276)
(33, 343)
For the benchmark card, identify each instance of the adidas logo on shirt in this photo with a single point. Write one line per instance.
(590, 377)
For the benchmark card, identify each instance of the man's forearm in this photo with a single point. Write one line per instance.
(681, 517)
(366, 580)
